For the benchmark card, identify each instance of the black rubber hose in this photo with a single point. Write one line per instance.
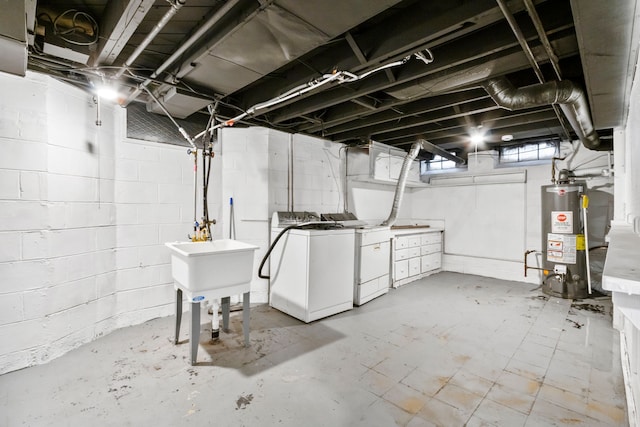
(284, 230)
(273, 245)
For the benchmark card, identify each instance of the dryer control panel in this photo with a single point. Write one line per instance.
(296, 217)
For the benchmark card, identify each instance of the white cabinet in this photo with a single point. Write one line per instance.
(415, 254)
(381, 163)
(373, 252)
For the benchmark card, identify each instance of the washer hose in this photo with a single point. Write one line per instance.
(284, 230)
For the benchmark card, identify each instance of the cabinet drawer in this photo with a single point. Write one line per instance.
(414, 241)
(401, 254)
(402, 242)
(431, 262)
(373, 237)
(414, 252)
(414, 266)
(401, 269)
(430, 249)
(430, 238)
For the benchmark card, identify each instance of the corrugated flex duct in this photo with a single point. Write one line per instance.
(569, 96)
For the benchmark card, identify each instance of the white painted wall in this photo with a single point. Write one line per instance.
(265, 171)
(627, 216)
(84, 214)
(488, 227)
(57, 220)
(372, 180)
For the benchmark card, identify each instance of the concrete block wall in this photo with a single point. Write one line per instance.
(245, 179)
(318, 174)
(57, 225)
(84, 214)
(265, 171)
(518, 221)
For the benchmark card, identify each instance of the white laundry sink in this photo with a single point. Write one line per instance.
(199, 266)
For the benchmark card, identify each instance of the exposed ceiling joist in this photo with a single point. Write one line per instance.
(120, 20)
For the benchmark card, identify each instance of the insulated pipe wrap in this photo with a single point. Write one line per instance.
(570, 97)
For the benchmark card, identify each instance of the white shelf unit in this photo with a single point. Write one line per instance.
(380, 163)
(415, 255)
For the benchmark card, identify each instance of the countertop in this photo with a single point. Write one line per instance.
(414, 229)
(622, 268)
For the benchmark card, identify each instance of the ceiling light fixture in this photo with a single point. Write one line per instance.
(106, 92)
(477, 138)
(507, 138)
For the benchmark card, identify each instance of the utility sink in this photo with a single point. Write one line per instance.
(211, 270)
(202, 266)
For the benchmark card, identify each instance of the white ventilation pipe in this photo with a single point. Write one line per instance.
(175, 7)
(402, 182)
(404, 173)
(215, 18)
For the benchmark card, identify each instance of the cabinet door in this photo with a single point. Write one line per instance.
(400, 269)
(414, 266)
(431, 262)
(374, 261)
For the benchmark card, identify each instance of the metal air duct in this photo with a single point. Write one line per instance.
(402, 181)
(568, 95)
(404, 173)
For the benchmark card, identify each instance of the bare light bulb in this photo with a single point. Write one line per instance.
(477, 138)
(107, 93)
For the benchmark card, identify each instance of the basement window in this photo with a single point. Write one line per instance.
(436, 164)
(528, 152)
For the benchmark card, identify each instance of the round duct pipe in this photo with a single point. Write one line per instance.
(568, 95)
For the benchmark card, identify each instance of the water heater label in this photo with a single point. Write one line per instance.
(561, 248)
(562, 222)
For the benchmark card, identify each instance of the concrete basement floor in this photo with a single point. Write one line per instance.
(447, 350)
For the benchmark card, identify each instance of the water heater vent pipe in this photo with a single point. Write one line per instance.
(569, 96)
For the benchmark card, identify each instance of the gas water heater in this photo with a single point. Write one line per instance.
(563, 240)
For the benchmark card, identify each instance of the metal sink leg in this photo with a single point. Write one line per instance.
(195, 331)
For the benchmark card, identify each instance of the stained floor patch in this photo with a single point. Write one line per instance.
(422, 334)
(593, 308)
(244, 401)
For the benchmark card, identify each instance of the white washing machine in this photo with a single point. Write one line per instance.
(311, 270)
(372, 257)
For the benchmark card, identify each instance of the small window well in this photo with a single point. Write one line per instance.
(436, 164)
(528, 152)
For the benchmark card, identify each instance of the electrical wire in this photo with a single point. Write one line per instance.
(339, 77)
(75, 28)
